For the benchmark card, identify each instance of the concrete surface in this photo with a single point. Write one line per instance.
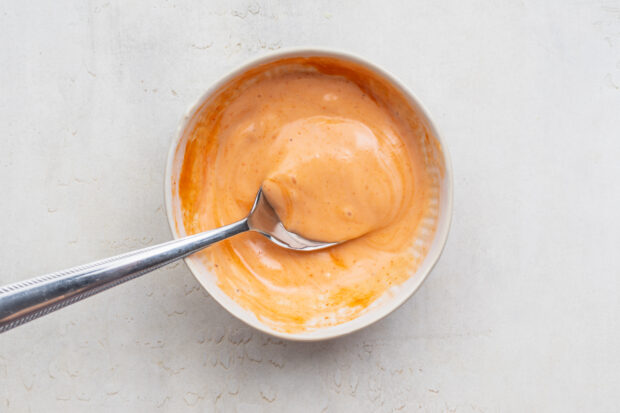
(522, 311)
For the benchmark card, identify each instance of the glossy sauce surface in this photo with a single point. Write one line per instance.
(334, 179)
(341, 155)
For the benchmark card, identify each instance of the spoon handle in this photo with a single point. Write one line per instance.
(26, 300)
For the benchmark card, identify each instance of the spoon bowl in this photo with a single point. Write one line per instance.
(264, 220)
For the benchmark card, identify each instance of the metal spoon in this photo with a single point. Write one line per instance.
(26, 300)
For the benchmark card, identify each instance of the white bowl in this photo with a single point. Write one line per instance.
(382, 307)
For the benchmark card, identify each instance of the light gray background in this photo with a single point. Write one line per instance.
(520, 314)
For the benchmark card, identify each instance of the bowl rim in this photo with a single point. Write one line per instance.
(441, 237)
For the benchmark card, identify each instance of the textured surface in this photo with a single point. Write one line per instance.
(520, 314)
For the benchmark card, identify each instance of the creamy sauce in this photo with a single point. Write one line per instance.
(335, 180)
(341, 155)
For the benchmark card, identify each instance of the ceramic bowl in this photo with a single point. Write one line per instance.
(380, 308)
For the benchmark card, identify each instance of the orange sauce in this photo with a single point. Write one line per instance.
(341, 155)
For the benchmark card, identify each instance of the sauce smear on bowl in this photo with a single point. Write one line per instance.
(341, 155)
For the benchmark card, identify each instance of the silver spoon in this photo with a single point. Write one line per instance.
(26, 300)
